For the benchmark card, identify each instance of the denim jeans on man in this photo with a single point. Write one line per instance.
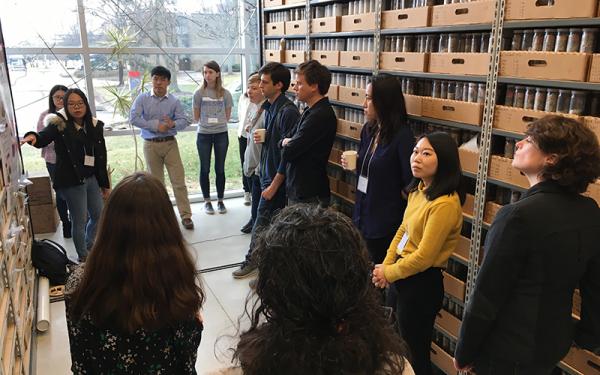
(204, 144)
(85, 205)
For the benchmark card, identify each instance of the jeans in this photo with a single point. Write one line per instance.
(246, 182)
(256, 191)
(265, 212)
(61, 204)
(84, 201)
(204, 144)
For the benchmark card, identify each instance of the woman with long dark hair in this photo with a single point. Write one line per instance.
(55, 103)
(425, 240)
(134, 306)
(538, 250)
(81, 177)
(212, 110)
(316, 311)
(383, 165)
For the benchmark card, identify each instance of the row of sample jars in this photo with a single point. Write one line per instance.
(331, 10)
(444, 342)
(286, 15)
(456, 269)
(453, 306)
(345, 145)
(360, 44)
(355, 81)
(359, 7)
(463, 91)
(295, 44)
(460, 136)
(349, 114)
(552, 100)
(274, 44)
(504, 196)
(552, 40)
(330, 44)
(453, 42)
(404, 4)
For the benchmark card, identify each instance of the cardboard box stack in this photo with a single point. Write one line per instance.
(44, 216)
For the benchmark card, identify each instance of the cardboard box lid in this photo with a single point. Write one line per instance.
(565, 66)
(532, 9)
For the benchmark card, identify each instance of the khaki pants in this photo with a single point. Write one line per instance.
(161, 154)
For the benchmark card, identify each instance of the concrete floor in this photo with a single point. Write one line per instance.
(216, 241)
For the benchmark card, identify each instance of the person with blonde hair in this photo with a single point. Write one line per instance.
(134, 306)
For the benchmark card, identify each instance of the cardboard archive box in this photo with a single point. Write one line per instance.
(275, 28)
(414, 104)
(453, 110)
(40, 191)
(44, 218)
(272, 3)
(459, 63)
(355, 59)
(327, 58)
(463, 13)
(351, 95)
(594, 73)
(326, 24)
(294, 56)
(295, 27)
(442, 360)
(515, 120)
(405, 18)
(349, 129)
(535, 9)
(563, 66)
(275, 55)
(332, 94)
(404, 61)
(358, 22)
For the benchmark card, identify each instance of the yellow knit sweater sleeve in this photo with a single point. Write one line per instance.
(390, 257)
(441, 224)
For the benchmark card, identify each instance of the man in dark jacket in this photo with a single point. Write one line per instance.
(280, 117)
(307, 150)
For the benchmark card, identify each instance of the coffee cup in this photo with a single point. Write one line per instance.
(259, 135)
(350, 158)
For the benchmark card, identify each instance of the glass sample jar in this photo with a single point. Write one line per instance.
(509, 96)
(551, 100)
(549, 40)
(472, 97)
(574, 41)
(509, 148)
(529, 98)
(444, 90)
(539, 102)
(517, 40)
(468, 43)
(476, 43)
(562, 40)
(527, 43)
(588, 40)
(538, 40)
(564, 101)
(453, 41)
(443, 45)
(459, 91)
(481, 93)
(451, 90)
(436, 92)
(577, 105)
(519, 99)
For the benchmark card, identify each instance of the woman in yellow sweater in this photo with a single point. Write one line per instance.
(423, 243)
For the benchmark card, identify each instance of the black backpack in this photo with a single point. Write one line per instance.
(51, 260)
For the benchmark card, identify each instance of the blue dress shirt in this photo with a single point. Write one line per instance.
(148, 111)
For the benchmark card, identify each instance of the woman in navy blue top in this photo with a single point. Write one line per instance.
(383, 165)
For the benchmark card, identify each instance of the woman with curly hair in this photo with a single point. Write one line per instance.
(537, 252)
(316, 311)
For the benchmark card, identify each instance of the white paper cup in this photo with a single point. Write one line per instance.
(350, 158)
(261, 135)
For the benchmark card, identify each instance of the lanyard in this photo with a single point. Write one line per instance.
(362, 167)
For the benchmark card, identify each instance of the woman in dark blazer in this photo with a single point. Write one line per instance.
(80, 176)
(386, 143)
(537, 252)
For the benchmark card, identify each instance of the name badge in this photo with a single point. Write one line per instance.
(213, 120)
(362, 184)
(88, 161)
(402, 244)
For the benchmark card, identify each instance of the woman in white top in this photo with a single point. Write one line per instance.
(212, 110)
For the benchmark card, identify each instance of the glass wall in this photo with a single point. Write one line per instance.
(107, 48)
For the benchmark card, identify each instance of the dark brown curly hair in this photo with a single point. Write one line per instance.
(575, 146)
(317, 312)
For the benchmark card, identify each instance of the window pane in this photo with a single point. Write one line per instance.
(56, 22)
(115, 78)
(32, 77)
(178, 23)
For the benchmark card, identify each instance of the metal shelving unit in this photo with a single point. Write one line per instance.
(278, 37)
(486, 130)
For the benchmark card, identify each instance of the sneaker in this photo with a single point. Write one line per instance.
(253, 283)
(246, 270)
(248, 227)
(221, 207)
(208, 208)
(187, 223)
(247, 199)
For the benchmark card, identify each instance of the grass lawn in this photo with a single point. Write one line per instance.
(121, 157)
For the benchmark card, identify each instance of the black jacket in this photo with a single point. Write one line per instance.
(70, 170)
(538, 251)
(307, 152)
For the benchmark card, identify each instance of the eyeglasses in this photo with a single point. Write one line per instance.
(58, 97)
(76, 105)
